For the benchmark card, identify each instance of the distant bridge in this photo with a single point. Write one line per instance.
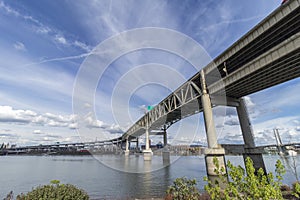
(239, 149)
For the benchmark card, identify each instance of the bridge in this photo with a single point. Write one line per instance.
(267, 55)
(103, 147)
(239, 149)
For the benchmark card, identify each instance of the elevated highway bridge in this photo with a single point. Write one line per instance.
(269, 54)
(266, 56)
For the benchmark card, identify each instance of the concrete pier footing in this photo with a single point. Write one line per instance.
(147, 154)
(213, 176)
(126, 152)
(210, 154)
(166, 157)
(127, 147)
(256, 157)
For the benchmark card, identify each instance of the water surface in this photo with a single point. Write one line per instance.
(22, 173)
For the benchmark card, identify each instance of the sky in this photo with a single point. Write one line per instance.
(54, 86)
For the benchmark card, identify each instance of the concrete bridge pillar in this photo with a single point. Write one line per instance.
(165, 138)
(147, 152)
(127, 147)
(247, 131)
(137, 144)
(214, 149)
(166, 152)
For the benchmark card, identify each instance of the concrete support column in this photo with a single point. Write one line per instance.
(165, 137)
(248, 137)
(137, 143)
(209, 122)
(147, 145)
(127, 147)
(147, 152)
(213, 150)
(166, 152)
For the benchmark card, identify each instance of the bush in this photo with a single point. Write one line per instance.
(55, 191)
(183, 189)
(246, 184)
(285, 188)
(296, 189)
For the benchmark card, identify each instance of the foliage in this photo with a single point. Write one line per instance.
(246, 183)
(296, 189)
(214, 188)
(54, 191)
(183, 189)
(10, 196)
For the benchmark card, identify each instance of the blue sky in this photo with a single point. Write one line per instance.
(44, 44)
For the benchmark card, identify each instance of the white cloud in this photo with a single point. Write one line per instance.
(8, 9)
(115, 129)
(43, 30)
(60, 39)
(37, 132)
(7, 114)
(19, 46)
(264, 134)
(82, 46)
(56, 124)
(73, 126)
(10, 115)
(232, 121)
(87, 105)
(94, 123)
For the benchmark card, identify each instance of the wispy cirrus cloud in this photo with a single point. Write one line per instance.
(19, 46)
(39, 27)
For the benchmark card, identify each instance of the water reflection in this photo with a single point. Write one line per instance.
(134, 163)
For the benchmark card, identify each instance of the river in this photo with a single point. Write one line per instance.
(109, 176)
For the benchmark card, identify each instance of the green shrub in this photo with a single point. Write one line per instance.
(296, 189)
(55, 191)
(246, 184)
(183, 189)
